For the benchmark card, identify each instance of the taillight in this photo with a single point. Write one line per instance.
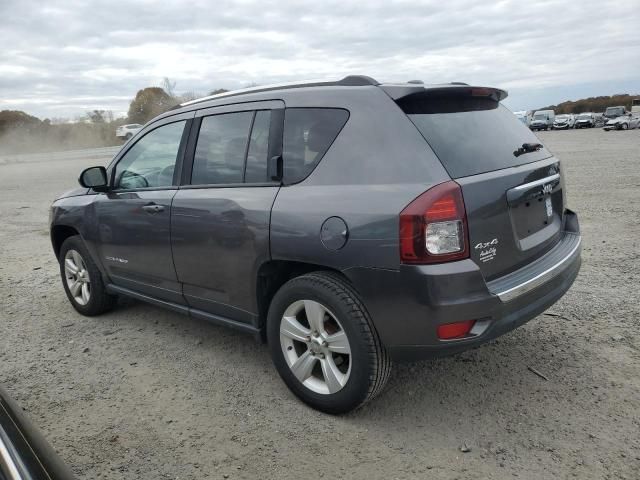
(433, 227)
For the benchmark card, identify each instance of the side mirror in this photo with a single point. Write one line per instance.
(95, 178)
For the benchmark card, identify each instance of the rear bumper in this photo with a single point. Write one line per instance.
(407, 305)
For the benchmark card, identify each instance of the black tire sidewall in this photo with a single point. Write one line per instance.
(95, 305)
(358, 385)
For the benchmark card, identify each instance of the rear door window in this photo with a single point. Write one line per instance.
(308, 134)
(470, 134)
(221, 149)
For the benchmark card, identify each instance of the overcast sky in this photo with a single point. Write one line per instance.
(62, 58)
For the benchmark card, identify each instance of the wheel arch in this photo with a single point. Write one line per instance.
(59, 233)
(275, 273)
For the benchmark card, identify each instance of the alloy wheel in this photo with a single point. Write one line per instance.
(315, 347)
(77, 277)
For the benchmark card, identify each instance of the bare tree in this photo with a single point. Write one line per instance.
(96, 116)
(188, 96)
(168, 86)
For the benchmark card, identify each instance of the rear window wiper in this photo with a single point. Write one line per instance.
(527, 148)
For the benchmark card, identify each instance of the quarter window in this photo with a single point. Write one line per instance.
(308, 134)
(152, 160)
(221, 149)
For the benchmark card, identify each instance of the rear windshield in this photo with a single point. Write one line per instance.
(470, 135)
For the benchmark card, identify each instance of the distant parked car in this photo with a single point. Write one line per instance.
(128, 131)
(564, 122)
(628, 121)
(543, 120)
(585, 120)
(614, 112)
(525, 116)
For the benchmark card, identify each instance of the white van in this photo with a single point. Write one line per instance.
(543, 120)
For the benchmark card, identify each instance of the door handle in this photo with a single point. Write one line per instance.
(153, 208)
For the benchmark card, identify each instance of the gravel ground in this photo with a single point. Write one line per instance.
(141, 393)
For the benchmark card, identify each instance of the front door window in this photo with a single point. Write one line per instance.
(151, 161)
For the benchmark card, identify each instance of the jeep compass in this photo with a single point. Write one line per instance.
(347, 223)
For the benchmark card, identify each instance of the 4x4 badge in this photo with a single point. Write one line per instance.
(488, 250)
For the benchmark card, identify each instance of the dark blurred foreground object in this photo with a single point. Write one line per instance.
(24, 453)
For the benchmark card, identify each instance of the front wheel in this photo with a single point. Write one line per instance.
(324, 345)
(624, 126)
(82, 280)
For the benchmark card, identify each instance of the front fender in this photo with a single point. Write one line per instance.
(78, 213)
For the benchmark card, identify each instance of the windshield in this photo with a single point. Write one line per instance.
(584, 116)
(540, 116)
(614, 112)
(562, 117)
(470, 135)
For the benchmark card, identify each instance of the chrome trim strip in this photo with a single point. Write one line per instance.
(514, 292)
(8, 463)
(535, 183)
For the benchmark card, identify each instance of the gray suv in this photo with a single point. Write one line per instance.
(346, 223)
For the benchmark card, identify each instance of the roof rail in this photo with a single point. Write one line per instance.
(348, 81)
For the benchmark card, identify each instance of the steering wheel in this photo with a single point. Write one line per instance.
(130, 179)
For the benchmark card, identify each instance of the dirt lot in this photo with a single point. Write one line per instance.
(142, 393)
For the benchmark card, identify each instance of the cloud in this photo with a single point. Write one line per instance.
(70, 56)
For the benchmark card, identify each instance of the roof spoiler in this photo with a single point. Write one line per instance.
(398, 91)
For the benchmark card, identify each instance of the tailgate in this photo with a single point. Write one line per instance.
(514, 215)
(512, 185)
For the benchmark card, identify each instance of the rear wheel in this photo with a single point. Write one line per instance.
(323, 343)
(82, 280)
(128, 136)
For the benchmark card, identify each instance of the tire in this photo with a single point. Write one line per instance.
(624, 126)
(128, 136)
(89, 300)
(359, 375)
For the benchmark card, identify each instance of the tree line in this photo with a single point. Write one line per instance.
(592, 104)
(24, 133)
